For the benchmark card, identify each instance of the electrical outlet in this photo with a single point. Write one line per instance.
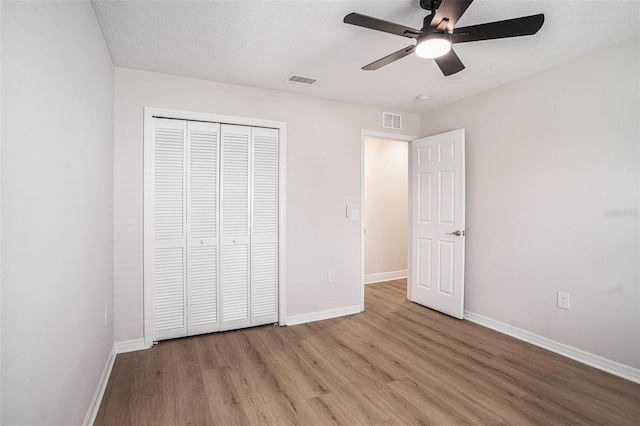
(563, 300)
(331, 276)
(355, 214)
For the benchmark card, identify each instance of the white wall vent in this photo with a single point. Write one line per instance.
(391, 120)
(301, 79)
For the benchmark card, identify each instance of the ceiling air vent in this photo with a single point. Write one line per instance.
(301, 79)
(391, 120)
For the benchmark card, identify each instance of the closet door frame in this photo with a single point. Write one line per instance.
(149, 114)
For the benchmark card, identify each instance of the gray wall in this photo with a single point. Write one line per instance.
(57, 210)
(550, 159)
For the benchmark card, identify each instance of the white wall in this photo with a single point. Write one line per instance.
(386, 203)
(57, 210)
(323, 176)
(547, 158)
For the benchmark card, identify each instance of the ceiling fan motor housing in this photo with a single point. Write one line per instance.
(431, 5)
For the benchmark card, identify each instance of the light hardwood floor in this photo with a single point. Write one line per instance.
(395, 364)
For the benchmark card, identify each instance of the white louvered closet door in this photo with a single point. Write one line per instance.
(211, 250)
(168, 228)
(235, 203)
(202, 227)
(264, 230)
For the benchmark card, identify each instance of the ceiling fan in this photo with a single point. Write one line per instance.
(438, 33)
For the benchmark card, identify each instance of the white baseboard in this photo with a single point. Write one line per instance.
(131, 345)
(604, 364)
(323, 315)
(92, 412)
(384, 276)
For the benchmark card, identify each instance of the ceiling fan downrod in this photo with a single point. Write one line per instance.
(432, 7)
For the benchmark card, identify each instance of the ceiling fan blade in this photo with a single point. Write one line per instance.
(390, 58)
(449, 63)
(527, 25)
(380, 25)
(451, 10)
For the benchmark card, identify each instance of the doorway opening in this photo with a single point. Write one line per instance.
(384, 207)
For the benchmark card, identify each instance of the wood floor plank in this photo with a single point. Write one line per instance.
(245, 350)
(186, 363)
(289, 406)
(308, 382)
(225, 405)
(213, 353)
(124, 391)
(437, 401)
(256, 400)
(159, 389)
(192, 406)
(397, 363)
(558, 399)
(330, 409)
(268, 341)
(346, 385)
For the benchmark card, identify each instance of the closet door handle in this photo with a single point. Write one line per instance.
(201, 241)
(235, 241)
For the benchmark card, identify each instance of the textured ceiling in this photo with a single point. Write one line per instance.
(259, 43)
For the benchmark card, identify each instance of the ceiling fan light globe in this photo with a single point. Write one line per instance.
(433, 47)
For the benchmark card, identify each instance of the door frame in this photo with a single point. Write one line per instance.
(364, 133)
(149, 114)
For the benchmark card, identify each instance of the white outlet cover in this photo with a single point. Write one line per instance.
(563, 300)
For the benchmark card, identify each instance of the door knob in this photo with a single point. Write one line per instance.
(235, 241)
(457, 233)
(201, 241)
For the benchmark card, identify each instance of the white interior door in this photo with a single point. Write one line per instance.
(438, 222)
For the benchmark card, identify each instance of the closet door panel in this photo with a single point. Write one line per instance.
(202, 225)
(235, 283)
(203, 290)
(264, 283)
(169, 300)
(265, 182)
(235, 181)
(168, 229)
(264, 229)
(235, 200)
